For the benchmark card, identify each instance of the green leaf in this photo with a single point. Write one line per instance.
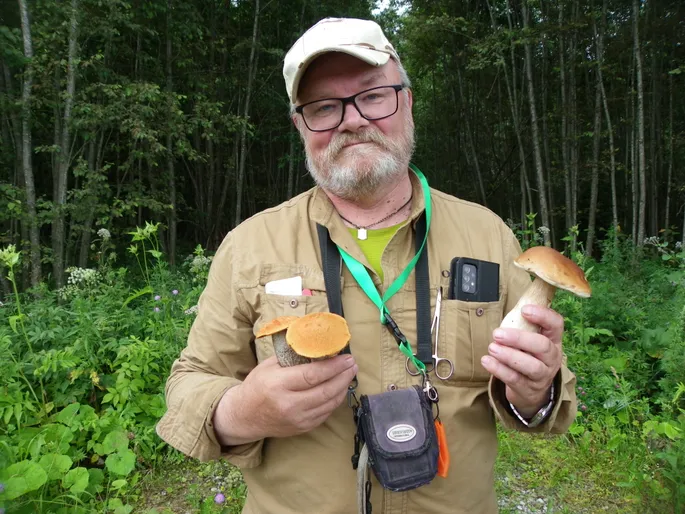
(115, 441)
(118, 484)
(116, 505)
(137, 294)
(97, 477)
(55, 465)
(121, 463)
(67, 414)
(155, 253)
(76, 480)
(21, 478)
(13, 323)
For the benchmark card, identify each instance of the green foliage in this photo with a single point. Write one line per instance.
(84, 387)
(625, 345)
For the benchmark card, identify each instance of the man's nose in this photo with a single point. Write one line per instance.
(352, 119)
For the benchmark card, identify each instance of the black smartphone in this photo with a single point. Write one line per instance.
(473, 280)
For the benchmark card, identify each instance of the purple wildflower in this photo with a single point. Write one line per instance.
(2, 510)
(157, 298)
(583, 407)
(174, 292)
(219, 499)
(2, 488)
(583, 393)
(156, 309)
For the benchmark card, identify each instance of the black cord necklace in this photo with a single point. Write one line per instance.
(361, 231)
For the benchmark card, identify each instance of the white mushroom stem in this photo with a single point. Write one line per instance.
(538, 293)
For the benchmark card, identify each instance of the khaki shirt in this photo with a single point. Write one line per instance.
(312, 472)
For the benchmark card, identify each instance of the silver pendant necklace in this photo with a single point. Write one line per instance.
(361, 231)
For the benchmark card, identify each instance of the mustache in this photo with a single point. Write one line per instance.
(340, 141)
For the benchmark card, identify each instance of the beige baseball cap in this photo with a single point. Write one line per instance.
(362, 39)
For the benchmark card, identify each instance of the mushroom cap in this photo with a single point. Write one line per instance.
(555, 269)
(317, 335)
(275, 325)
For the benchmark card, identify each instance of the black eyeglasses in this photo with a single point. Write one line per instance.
(372, 104)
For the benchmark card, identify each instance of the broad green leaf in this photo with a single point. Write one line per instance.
(55, 465)
(121, 463)
(67, 414)
(76, 480)
(115, 441)
(118, 484)
(21, 478)
(97, 477)
(115, 505)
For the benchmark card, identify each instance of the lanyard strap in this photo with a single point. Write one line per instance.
(361, 275)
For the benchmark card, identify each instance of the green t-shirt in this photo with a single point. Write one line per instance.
(372, 247)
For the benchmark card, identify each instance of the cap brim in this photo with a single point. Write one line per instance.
(368, 55)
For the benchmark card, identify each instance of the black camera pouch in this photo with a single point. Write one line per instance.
(399, 432)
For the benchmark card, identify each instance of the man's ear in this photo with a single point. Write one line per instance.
(410, 98)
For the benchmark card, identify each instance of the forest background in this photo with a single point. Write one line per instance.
(135, 134)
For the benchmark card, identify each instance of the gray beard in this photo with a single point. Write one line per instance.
(388, 162)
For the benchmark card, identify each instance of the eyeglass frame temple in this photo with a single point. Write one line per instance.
(347, 100)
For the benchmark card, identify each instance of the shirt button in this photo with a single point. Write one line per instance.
(392, 387)
(293, 303)
(479, 311)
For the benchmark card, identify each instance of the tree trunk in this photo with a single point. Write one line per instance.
(592, 216)
(542, 195)
(612, 152)
(251, 73)
(564, 123)
(59, 220)
(669, 178)
(27, 146)
(640, 128)
(173, 217)
(469, 139)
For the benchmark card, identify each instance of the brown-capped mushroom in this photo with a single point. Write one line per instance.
(552, 270)
(315, 336)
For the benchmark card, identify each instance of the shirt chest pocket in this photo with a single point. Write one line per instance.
(465, 333)
(272, 306)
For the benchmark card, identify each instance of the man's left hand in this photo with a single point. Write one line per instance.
(527, 362)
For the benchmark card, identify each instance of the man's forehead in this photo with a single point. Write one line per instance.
(324, 72)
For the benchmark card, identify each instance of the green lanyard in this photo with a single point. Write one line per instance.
(361, 275)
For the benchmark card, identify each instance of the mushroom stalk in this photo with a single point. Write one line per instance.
(538, 293)
(284, 353)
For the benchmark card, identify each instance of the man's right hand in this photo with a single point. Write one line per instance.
(276, 401)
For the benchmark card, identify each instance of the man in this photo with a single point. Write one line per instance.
(289, 429)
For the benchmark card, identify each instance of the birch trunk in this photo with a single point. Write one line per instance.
(59, 220)
(640, 127)
(542, 195)
(251, 72)
(27, 146)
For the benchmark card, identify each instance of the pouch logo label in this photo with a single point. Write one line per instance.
(401, 433)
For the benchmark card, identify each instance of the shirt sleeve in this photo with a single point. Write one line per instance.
(218, 356)
(565, 406)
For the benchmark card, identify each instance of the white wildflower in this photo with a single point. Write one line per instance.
(678, 245)
(104, 234)
(543, 230)
(191, 311)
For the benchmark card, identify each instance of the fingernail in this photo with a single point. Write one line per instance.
(499, 334)
(528, 309)
(493, 348)
(486, 361)
(349, 359)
